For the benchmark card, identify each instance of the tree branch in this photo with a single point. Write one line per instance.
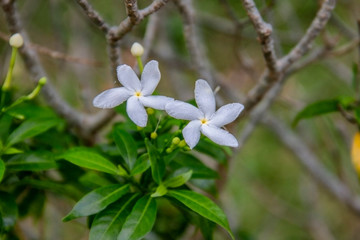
(264, 31)
(317, 25)
(93, 15)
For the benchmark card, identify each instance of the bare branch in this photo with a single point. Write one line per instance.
(132, 11)
(312, 165)
(317, 25)
(93, 15)
(126, 25)
(264, 31)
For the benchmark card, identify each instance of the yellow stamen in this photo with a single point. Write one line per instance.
(203, 121)
(137, 94)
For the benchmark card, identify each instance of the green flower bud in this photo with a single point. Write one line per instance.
(182, 143)
(150, 111)
(153, 135)
(176, 140)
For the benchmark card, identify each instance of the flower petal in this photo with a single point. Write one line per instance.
(183, 110)
(150, 77)
(127, 77)
(111, 98)
(191, 133)
(204, 97)
(219, 136)
(156, 102)
(136, 111)
(226, 114)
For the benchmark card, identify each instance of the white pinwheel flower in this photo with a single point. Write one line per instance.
(205, 119)
(137, 93)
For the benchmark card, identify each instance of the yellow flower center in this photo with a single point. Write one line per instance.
(137, 94)
(203, 121)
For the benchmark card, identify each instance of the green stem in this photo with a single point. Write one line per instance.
(7, 83)
(141, 67)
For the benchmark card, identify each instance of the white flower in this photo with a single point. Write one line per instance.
(136, 93)
(204, 119)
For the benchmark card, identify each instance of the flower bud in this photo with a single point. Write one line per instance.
(169, 150)
(182, 143)
(153, 135)
(16, 40)
(137, 50)
(175, 140)
(150, 111)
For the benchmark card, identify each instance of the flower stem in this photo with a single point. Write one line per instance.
(141, 67)
(6, 86)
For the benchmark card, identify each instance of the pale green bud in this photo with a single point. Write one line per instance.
(137, 50)
(16, 40)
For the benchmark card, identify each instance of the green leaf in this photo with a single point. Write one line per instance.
(108, 223)
(178, 180)
(97, 200)
(161, 190)
(355, 77)
(141, 165)
(157, 163)
(11, 151)
(189, 162)
(33, 161)
(140, 221)
(203, 206)
(2, 169)
(316, 109)
(213, 150)
(8, 209)
(126, 145)
(30, 128)
(87, 158)
(93, 180)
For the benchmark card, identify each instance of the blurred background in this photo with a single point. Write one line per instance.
(265, 192)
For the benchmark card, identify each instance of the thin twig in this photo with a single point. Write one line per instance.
(93, 15)
(304, 45)
(132, 11)
(264, 31)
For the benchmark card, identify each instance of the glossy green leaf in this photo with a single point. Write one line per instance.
(160, 191)
(141, 165)
(157, 163)
(140, 221)
(8, 209)
(108, 223)
(203, 206)
(97, 200)
(190, 162)
(87, 158)
(317, 109)
(31, 128)
(32, 161)
(178, 180)
(2, 169)
(94, 180)
(126, 145)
